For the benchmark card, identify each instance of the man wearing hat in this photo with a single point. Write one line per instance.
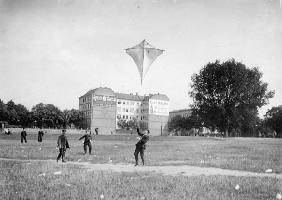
(141, 145)
(62, 145)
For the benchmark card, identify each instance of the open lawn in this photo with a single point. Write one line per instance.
(25, 181)
(21, 180)
(248, 154)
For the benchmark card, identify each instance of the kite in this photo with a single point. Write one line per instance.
(143, 55)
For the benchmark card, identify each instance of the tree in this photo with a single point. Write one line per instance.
(76, 118)
(47, 115)
(132, 124)
(12, 113)
(122, 123)
(129, 124)
(24, 117)
(4, 116)
(273, 119)
(178, 122)
(227, 95)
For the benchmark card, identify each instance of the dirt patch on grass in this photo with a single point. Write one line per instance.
(184, 170)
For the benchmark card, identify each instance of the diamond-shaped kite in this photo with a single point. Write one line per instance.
(143, 55)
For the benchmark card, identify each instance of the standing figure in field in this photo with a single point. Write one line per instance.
(62, 145)
(40, 135)
(87, 142)
(23, 136)
(141, 145)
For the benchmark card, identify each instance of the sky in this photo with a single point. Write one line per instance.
(55, 51)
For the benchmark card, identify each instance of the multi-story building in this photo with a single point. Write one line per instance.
(103, 108)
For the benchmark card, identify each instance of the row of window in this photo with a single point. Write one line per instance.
(86, 99)
(87, 113)
(159, 102)
(119, 109)
(128, 103)
(131, 117)
(85, 107)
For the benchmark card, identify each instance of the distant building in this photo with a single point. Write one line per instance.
(103, 108)
(182, 113)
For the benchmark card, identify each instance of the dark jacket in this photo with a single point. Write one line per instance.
(144, 139)
(23, 133)
(40, 133)
(63, 142)
(87, 138)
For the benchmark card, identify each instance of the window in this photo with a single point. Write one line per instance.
(123, 102)
(126, 117)
(126, 110)
(123, 117)
(118, 116)
(119, 102)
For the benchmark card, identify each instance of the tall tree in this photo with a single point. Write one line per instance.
(227, 95)
(273, 119)
(47, 115)
(4, 116)
(12, 112)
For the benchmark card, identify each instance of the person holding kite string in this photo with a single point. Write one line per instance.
(141, 146)
(87, 142)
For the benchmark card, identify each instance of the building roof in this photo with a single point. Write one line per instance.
(159, 97)
(132, 97)
(103, 91)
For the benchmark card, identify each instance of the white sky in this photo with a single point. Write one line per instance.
(55, 51)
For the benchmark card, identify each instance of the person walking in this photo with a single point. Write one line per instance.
(23, 136)
(87, 142)
(62, 145)
(141, 146)
(40, 134)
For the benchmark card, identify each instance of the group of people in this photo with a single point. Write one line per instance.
(24, 134)
(139, 149)
(63, 145)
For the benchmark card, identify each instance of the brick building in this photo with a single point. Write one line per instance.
(103, 107)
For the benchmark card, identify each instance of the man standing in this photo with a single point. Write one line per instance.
(62, 145)
(96, 131)
(40, 135)
(23, 136)
(87, 142)
(141, 145)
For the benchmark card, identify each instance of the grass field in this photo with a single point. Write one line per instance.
(20, 180)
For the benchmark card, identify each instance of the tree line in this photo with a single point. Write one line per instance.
(41, 115)
(226, 97)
